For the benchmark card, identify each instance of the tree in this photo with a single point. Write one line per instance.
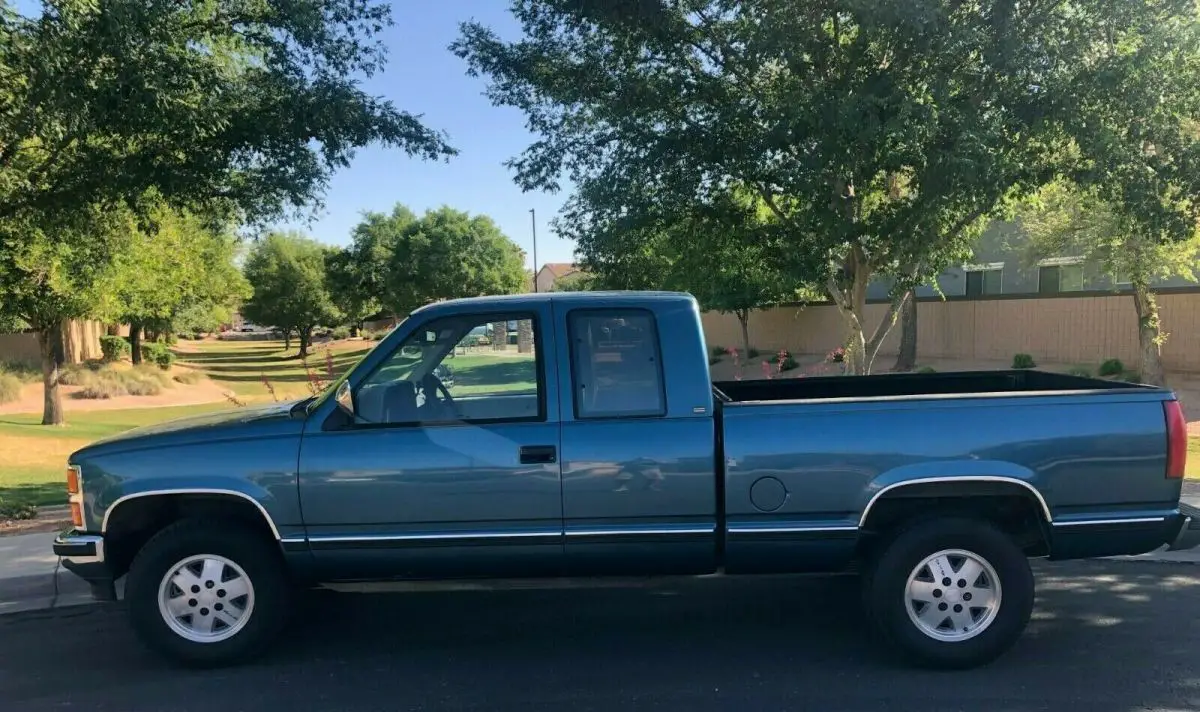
(358, 274)
(247, 104)
(286, 272)
(720, 252)
(48, 280)
(881, 135)
(445, 254)
(1064, 219)
(174, 262)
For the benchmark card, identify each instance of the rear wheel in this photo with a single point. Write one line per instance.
(950, 593)
(208, 593)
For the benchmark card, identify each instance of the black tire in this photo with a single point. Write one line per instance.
(886, 602)
(257, 555)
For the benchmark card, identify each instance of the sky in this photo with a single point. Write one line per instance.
(424, 78)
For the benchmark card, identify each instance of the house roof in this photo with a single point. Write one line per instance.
(560, 269)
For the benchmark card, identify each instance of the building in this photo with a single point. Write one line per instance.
(552, 273)
(1000, 268)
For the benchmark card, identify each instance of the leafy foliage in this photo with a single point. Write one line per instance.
(880, 135)
(444, 254)
(246, 105)
(1023, 361)
(113, 348)
(1112, 367)
(287, 274)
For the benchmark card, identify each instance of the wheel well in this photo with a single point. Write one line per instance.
(133, 522)
(1010, 507)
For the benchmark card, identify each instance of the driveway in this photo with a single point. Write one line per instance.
(1108, 636)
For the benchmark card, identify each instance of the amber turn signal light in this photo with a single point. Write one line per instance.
(72, 480)
(76, 514)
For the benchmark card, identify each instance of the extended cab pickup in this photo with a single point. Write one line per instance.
(582, 436)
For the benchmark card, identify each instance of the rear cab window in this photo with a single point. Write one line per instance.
(616, 364)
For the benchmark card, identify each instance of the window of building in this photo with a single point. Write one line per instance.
(984, 279)
(1061, 274)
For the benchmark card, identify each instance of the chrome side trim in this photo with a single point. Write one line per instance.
(154, 493)
(340, 538)
(641, 531)
(969, 478)
(748, 529)
(1116, 520)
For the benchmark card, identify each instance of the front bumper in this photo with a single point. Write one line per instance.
(1186, 529)
(83, 555)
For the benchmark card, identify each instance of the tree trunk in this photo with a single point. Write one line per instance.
(305, 340)
(743, 316)
(1150, 336)
(287, 339)
(51, 347)
(861, 351)
(135, 342)
(906, 360)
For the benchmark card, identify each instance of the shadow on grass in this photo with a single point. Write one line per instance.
(38, 495)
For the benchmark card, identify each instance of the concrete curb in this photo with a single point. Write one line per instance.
(41, 592)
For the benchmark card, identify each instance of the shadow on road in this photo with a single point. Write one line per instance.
(1106, 636)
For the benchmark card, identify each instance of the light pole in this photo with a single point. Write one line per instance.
(533, 226)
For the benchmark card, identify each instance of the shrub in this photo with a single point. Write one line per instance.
(114, 348)
(1112, 367)
(189, 377)
(789, 361)
(158, 354)
(76, 376)
(142, 387)
(10, 387)
(1081, 371)
(717, 351)
(1131, 377)
(341, 332)
(713, 360)
(16, 510)
(927, 369)
(1023, 361)
(102, 389)
(753, 353)
(838, 355)
(23, 372)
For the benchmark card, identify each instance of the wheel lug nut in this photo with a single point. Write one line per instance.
(962, 583)
(204, 611)
(220, 593)
(966, 596)
(942, 606)
(195, 589)
(193, 602)
(946, 581)
(218, 607)
(937, 593)
(957, 608)
(209, 584)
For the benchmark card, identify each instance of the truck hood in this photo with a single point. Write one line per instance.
(237, 423)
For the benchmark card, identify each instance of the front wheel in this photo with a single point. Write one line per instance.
(951, 593)
(208, 593)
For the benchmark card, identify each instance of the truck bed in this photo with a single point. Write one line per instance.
(913, 384)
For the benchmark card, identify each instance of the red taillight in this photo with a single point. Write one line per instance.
(1176, 439)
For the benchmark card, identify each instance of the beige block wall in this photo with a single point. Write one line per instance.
(81, 342)
(1083, 330)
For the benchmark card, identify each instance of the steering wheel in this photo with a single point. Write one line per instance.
(431, 383)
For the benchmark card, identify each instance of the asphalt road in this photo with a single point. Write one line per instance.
(1106, 636)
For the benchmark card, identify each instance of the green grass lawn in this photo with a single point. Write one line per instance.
(242, 366)
(1193, 458)
(33, 457)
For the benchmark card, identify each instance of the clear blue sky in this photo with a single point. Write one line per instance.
(423, 77)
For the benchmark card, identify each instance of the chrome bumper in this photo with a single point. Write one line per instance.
(79, 549)
(1188, 534)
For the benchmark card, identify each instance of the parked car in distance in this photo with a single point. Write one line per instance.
(601, 447)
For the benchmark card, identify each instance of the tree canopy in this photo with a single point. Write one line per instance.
(286, 271)
(880, 135)
(247, 105)
(444, 254)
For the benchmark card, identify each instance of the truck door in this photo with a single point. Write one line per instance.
(451, 466)
(637, 455)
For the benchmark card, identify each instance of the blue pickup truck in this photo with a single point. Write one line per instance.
(597, 445)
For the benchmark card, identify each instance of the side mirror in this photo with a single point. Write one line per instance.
(344, 398)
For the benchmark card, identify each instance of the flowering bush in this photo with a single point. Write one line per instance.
(838, 355)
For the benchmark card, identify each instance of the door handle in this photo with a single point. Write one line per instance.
(538, 454)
